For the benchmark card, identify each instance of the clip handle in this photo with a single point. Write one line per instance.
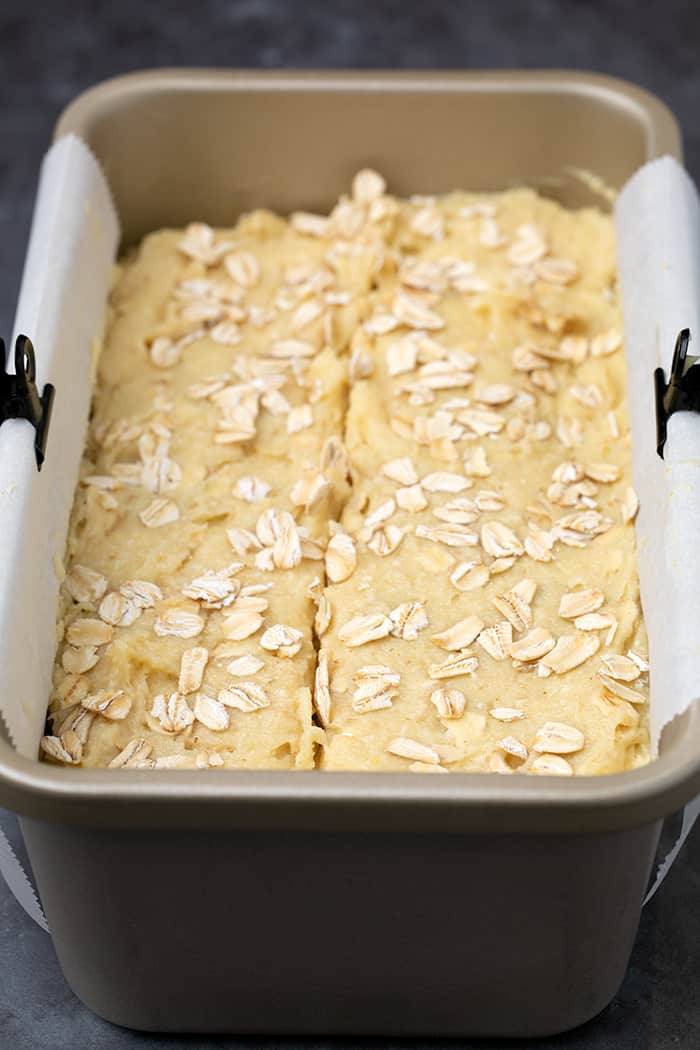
(20, 399)
(681, 393)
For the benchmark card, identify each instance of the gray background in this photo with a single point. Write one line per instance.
(51, 51)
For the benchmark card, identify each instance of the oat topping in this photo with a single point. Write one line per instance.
(596, 622)
(469, 575)
(179, 622)
(551, 765)
(171, 713)
(341, 557)
(512, 746)
(459, 511)
(142, 593)
(322, 695)
(114, 706)
(245, 665)
(506, 714)
(368, 186)
(404, 421)
(496, 640)
(119, 611)
(558, 738)
(80, 660)
(460, 635)
(570, 651)
(630, 505)
(136, 755)
(450, 535)
(87, 632)
(499, 540)
(323, 617)
(159, 512)
(85, 585)
(532, 646)
(241, 623)
(244, 696)
(407, 620)
(606, 343)
(192, 666)
(402, 471)
(403, 747)
(67, 749)
(211, 713)
(282, 641)
(619, 689)
(375, 687)
(363, 629)
(579, 603)
(215, 589)
(385, 540)
(449, 703)
(251, 489)
(621, 668)
(461, 663)
(411, 498)
(516, 609)
(443, 481)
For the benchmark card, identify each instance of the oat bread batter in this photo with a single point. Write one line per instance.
(379, 462)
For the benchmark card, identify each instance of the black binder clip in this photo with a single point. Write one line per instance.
(682, 394)
(19, 397)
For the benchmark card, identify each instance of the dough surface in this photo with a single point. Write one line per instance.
(356, 495)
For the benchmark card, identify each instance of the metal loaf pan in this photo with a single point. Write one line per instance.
(337, 902)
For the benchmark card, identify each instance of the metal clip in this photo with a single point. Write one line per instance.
(19, 397)
(682, 394)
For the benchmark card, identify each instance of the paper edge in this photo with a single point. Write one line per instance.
(19, 884)
(35, 301)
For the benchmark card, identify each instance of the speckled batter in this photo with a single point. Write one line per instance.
(382, 457)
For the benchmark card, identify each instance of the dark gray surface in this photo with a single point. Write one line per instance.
(48, 53)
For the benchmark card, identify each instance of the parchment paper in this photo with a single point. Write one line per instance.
(658, 231)
(73, 245)
(72, 248)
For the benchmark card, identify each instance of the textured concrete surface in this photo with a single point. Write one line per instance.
(52, 50)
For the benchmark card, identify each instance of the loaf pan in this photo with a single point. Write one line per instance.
(348, 903)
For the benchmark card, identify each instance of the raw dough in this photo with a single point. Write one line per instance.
(466, 351)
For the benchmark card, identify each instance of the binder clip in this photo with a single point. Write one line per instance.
(19, 397)
(681, 393)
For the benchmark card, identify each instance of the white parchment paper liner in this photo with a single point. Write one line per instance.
(72, 248)
(658, 241)
(658, 232)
